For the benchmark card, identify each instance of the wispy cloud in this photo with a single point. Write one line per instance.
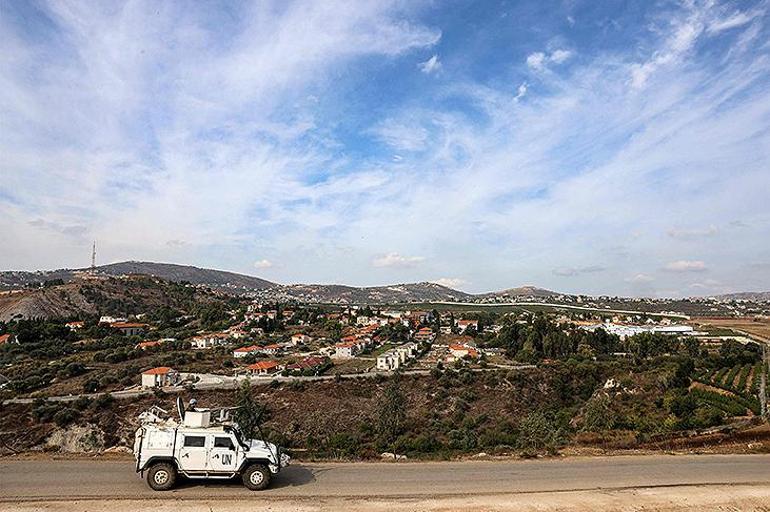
(685, 266)
(575, 271)
(690, 234)
(394, 259)
(263, 264)
(540, 60)
(430, 66)
(450, 282)
(639, 279)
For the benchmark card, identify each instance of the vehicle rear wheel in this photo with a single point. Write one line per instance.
(256, 477)
(161, 476)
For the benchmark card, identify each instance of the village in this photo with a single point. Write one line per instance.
(275, 341)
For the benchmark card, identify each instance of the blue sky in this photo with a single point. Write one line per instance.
(602, 147)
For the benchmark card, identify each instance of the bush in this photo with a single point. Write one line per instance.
(598, 415)
(65, 416)
(537, 433)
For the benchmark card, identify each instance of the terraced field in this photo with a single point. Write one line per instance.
(731, 389)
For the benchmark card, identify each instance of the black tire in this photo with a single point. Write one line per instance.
(256, 477)
(161, 476)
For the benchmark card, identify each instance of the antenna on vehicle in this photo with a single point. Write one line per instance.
(180, 408)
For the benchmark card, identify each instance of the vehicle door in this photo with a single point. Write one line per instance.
(192, 454)
(223, 454)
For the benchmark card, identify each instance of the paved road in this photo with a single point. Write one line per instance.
(52, 481)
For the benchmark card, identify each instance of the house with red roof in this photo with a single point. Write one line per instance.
(130, 328)
(160, 377)
(264, 368)
(244, 351)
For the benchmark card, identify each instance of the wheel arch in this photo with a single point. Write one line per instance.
(160, 458)
(250, 462)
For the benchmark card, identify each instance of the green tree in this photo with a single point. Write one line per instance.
(391, 415)
(249, 413)
(537, 433)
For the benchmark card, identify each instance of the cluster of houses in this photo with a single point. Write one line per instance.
(395, 357)
(273, 348)
(351, 345)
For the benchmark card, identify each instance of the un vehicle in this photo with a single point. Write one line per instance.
(196, 446)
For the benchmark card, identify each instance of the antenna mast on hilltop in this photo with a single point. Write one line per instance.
(93, 258)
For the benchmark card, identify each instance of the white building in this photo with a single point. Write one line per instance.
(160, 377)
(244, 351)
(394, 358)
(346, 350)
(204, 341)
(300, 339)
(389, 360)
(111, 319)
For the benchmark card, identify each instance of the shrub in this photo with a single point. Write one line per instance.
(537, 433)
(65, 416)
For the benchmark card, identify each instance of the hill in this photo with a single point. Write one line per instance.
(167, 271)
(522, 291)
(99, 296)
(408, 292)
(752, 296)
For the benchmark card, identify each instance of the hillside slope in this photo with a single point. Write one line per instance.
(522, 291)
(102, 296)
(408, 292)
(168, 271)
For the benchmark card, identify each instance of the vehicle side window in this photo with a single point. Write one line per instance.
(223, 442)
(194, 441)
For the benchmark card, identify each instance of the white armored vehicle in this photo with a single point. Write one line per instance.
(198, 446)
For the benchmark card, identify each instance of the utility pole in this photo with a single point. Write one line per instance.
(93, 258)
(763, 381)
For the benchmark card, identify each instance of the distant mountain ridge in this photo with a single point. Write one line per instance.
(167, 271)
(258, 287)
(406, 292)
(754, 296)
(521, 291)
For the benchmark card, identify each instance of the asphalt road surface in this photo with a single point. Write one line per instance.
(83, 479)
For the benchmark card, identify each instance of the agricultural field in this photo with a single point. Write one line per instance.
(730, 389)
(758, 327)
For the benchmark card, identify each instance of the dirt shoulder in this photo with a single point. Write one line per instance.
(685, 498)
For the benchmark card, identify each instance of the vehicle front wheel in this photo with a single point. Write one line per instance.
(161, 476)
(256, 477)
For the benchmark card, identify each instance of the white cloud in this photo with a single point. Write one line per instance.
(639, 279)
(394, 259)
(686, 266)
(521, 91)
(540, 60)
(576, 271)
(559, 56)
(430, 66)
(450, 282)
(737, 19)
(691, 234)
(536, 60)
(263, 264)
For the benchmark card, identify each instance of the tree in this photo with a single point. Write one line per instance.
(538, 433)
(391, 414)
(249, 412)
(598, 415)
